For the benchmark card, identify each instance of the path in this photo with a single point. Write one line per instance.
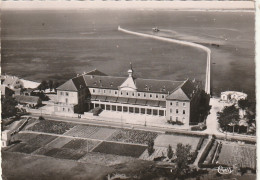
(186, 43)
(76, 137)
(105, 123)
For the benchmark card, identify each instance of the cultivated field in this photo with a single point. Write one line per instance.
(120, 149)
(92, 132)
(49, 126)
(133, 136)
(242, 155)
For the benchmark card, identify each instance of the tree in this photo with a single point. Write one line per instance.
(50, 84)
(169, 152)
(229, 115)
(182, 157)
(150, 147)
(43, 85)
(8, 107)
(243, 104)
(55, 85)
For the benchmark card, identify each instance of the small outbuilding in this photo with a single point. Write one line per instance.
(6, 138)
(29, 101)
(232, 96)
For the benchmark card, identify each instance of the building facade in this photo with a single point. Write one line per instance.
(174, 100)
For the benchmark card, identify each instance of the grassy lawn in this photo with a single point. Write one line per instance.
(120, 149)
(164, 140)
(243, 155)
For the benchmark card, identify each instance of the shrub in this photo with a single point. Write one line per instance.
(199, 127)
(150, 147)
(96, 111)
(41, 118)
(169, 152)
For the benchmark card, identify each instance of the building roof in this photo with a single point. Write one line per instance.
(105, 82)
(30, 84)
(142, 85)
(184, 92)
(74, 84)
(26, 99)
(9, 80)
(156, 86)
(96, 72)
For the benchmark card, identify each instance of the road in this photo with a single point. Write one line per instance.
(104, 123)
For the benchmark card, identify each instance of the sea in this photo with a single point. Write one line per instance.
(59, 44)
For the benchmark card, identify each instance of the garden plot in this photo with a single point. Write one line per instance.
(242, 155)
(81, 144)
(164, 140)
(133, 136)
(61, 153)
(34, 139)
(54, 127)
(120, 149)
(158, 152)
(23, 148)
(59, 142)
(91, 132)
(82, 131)
(105, 159)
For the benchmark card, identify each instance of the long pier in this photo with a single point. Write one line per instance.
(186, 43)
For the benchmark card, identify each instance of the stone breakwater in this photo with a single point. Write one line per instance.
(186, 43)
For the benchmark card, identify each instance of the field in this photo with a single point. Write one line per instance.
(105, 159)
(242, 155)
(173, 140)
(133, 136)
(92, 132)
(49, 126)
(120, 149)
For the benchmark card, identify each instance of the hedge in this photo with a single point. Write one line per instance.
(200, 143)
(194, 134)
(211, 153)
(206, 151)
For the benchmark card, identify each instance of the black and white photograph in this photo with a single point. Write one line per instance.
(145, 90)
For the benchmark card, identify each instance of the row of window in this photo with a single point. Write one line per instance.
(177, 111)
(177, 104)
(177, 118)
(129, 94)
(64, 93)
(130, 109)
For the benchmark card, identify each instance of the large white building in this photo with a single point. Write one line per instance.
(174, 100)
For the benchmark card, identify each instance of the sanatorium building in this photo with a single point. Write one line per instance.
(174, 100)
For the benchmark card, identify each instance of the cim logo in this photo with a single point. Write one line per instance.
(225, 170)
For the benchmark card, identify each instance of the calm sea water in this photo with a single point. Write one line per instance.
(57, 45)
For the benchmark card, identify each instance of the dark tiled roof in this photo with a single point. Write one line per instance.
(96, 73)
(106, 82)
(73, 84)
(184, 92)
(27, 99)
(110, 82)
(156, 86)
